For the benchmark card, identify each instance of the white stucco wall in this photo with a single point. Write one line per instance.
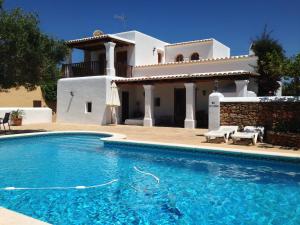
(142, 53)
(204, 49)
(72, 109)
(197, 67)
(31, 115)
(220, 50)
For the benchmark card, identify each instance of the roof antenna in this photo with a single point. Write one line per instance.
(122, 18)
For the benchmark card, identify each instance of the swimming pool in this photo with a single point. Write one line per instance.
(75, 179)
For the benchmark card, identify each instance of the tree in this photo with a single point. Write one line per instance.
(28, 57)
(270, 63)
(1, 5)
(292, 86)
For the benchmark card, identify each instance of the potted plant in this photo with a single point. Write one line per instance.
(16, 117)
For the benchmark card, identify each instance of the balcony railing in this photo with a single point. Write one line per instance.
(81, 69)
(93, 68)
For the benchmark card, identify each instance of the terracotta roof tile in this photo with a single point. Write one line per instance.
(197, 61)
(184, 76)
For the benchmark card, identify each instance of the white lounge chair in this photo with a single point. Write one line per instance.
(260, 130)
(250, 132)
(223, 132)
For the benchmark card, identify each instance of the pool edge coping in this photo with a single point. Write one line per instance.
(11, 217)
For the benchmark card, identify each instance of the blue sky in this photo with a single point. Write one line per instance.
(233, 22)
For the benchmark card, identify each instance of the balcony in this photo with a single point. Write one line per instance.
(94, 68)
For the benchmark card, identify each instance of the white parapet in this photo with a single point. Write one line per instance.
(83, 100)
(262, 99)
(214, 110)
(31, 115)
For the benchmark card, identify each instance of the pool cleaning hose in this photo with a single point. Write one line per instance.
(77, 187)
(147, 173)
(58, 188)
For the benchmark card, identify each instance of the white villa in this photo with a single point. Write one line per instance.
(159, 83)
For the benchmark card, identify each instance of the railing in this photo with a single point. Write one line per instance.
(82, 69)
(94, 68)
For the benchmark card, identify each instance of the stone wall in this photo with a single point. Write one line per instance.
(283, 139)
(265, 114)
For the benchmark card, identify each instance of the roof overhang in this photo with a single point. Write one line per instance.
(180, 78)
(97, 42)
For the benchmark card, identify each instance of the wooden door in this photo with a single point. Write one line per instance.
(179, 107)
(121, 64)
(125, 106)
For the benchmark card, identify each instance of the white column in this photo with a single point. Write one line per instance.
(69, 71)
(279, 90)
(214, 110)
(241, 88)
(149, 105)
(190, 121)
(110, 58)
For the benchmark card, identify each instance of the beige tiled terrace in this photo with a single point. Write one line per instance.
(153, 134)
(8, 217)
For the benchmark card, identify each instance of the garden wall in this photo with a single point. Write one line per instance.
(279, 116)
(260, 113)
(31, 115)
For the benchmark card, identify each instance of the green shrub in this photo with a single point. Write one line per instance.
(49, 90)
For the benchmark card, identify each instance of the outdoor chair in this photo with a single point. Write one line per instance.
(4, 121)
(250, 132)
(224, 132)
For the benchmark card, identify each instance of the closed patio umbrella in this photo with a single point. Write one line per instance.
(113, 101)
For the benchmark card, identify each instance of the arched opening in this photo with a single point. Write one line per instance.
(195, 56)
(179, 58)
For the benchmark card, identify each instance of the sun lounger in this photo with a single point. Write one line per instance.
(250, 132)
(260, 130)
(223, 132)
(245, 135)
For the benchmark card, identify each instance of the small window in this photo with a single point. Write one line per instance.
(157, 102)
(88, 107)
(179, 58)
(195, 56)
(37, 103)
(159, 57)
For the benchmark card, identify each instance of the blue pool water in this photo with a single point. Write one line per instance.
(153, 186)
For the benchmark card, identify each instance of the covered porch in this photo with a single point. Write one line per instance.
(177, 100)
(103, 55)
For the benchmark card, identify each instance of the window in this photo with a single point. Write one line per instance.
(179, 58)
(195, 56)
(157, 102)
(88, 107)
(37, 103)
(159, 57)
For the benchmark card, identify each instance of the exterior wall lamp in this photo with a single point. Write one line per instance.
(154, 49)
